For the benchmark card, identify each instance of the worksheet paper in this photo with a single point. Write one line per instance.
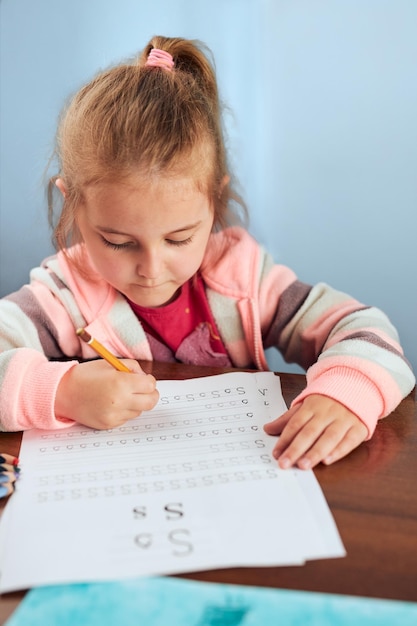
(191, 485)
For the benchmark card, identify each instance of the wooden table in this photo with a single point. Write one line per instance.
(373, 497)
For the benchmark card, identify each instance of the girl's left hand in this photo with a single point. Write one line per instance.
(317, 430)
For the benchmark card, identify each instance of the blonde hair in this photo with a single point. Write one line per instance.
(134, 119)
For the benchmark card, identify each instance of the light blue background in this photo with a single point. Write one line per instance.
(323, 128)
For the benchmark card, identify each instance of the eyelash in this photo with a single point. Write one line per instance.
(184, 242)
(128, 244)
(116, 246)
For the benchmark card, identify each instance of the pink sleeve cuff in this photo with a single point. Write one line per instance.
(352, 388)
(29, 389)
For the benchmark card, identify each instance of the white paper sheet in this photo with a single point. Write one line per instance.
(190, 485)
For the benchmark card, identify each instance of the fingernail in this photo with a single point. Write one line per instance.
(304, 464)
(284, 462)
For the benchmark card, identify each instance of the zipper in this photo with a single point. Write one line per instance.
(256, 339)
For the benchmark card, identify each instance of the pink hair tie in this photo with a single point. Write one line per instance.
(160, 58)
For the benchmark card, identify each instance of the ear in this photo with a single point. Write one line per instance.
(61, 186)
(224, 182)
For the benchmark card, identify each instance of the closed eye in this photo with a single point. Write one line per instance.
(129, 244)
(182, 242)
(116, 246)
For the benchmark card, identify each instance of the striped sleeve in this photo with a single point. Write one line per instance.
(351, 352)
(34, 327)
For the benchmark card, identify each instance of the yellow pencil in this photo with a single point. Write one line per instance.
(102, 351)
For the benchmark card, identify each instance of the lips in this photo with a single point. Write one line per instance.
(148, 286)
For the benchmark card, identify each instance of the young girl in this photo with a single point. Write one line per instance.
(149, 264)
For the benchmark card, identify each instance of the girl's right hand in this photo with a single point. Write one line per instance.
(98, 396)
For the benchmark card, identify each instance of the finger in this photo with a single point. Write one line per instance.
(353, 438)
(133, 366)
(277, 425)
(146, 384)
(332, 445)
(297, 438)
(145, 402)
(300, 432)
(289, 450)
(140, 402)
(324, 445)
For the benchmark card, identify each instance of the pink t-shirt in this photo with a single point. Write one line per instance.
(184, 330)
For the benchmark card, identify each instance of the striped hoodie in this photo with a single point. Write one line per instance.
(350, 352)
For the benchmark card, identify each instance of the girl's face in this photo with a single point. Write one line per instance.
(146, 240)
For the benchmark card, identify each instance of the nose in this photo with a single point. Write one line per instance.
(149, 264)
